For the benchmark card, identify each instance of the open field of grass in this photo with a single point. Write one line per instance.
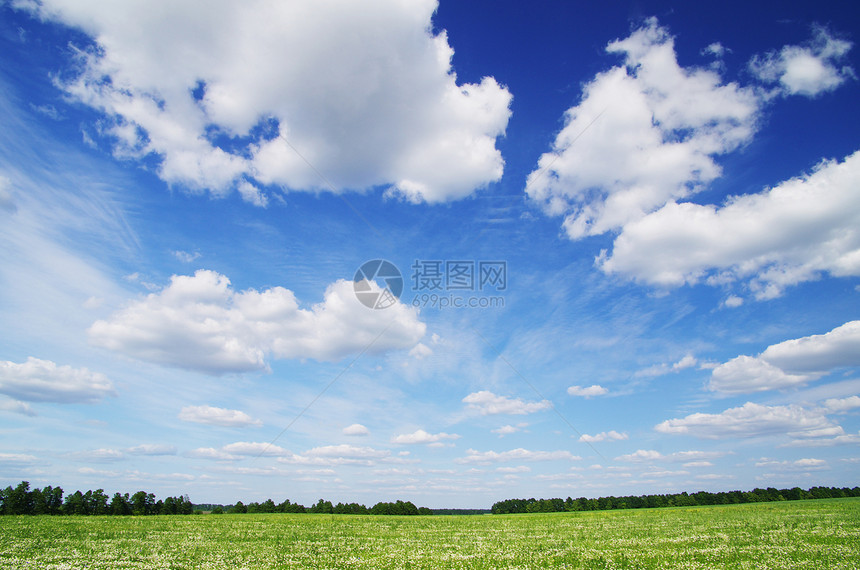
(803, 534)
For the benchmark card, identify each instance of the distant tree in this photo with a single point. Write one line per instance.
(322, 507)
(120, 505)
(75, 504)
(218, 510)
(142, 503)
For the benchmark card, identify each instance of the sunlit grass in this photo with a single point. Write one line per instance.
(803, 534)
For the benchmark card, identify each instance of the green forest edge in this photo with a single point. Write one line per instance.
(49, 501)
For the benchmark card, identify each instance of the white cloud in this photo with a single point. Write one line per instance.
(252, 194)
(420, 351)
(644, 455)
(790, 363)
(509, 429)
(519, 454)
(715, 49)
(751, 420)
(14, 406)
(43, 381)
(603, 436)
(641, 455)
(821, 352)
(838, 439)
(746, 374)
(593, 390)
(347, 451)
(200, 323)
(842, 405)
(421, 436)
(185, 256)
(211, 453)
(217, 416)
(488, 403)
(255, 449)
(687, 361)
(518, 469)
(102, 455)
(366, 94)
(17, 458)
(798, 465)
(151, 449)
(665, 473)
(239, 449)
(779, 237)
(355, 429)
(806, 70)
(643, 134)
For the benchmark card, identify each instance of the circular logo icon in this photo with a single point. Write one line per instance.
(378, 284)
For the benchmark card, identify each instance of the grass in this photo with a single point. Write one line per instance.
(802, 534)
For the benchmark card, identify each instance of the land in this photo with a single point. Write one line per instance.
(787, 534)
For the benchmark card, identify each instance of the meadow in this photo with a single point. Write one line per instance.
(794, 534)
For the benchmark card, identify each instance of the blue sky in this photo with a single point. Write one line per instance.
(672, 194)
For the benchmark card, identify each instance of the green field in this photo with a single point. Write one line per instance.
(801, 534)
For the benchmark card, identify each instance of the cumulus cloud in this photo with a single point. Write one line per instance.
(43, 381)
(818, 353)
(200, 322)
(842, 405)
(746, 374)
(645, 132)
(421, 436)
(753, 420)
(603, 436)
(217, 416)
(808, 70)
(355, 429)
(519, 454)
(249, 95)
(779, 237)
(587, 392)
(488, 403)
(790, 363)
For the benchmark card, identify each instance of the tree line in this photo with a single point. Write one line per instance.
(49, 501)
(324, 507)
(22, 500)
(758, 495)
